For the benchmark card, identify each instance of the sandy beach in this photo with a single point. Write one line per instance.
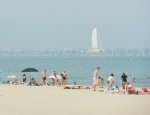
(49, 100)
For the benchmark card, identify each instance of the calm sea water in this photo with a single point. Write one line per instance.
(80, 69)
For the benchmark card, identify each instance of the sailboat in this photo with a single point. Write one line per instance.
(95, 42)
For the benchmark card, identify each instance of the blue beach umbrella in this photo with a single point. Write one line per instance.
(29, 70)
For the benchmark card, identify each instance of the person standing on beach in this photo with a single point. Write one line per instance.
(54, 78)
(124, 80)
(64, 77)
(44, 77)
(110, 80)
(95, 78)
(24, 78)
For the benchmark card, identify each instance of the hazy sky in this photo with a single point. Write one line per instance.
(58, 24)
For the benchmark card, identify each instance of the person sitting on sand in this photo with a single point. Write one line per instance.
(100, 81)
(129, 89)
(75, 86)
(33, 82)
(15, 82)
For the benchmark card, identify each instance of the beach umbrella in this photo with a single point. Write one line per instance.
(11, 76)
(30, 70)
(58, 76)
(52, 76)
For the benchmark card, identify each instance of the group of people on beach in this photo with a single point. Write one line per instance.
(55, 79)
(98, 81)
(127, 88)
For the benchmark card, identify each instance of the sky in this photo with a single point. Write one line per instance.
(60, 24)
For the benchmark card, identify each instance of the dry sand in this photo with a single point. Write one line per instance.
(49, 100)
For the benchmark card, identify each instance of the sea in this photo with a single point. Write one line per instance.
(79, 65)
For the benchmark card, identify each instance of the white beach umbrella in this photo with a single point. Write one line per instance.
(52, 76)
(11, 76)
(58, 76)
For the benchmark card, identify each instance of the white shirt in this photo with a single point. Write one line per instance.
(96, 74)
(110, 78)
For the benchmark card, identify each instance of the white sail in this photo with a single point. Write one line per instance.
(94, 39)
(95, 42)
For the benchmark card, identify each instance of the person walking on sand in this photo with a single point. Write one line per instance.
(95, 78)
(123, 80)
(44, 77)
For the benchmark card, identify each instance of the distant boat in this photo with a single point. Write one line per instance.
(95, 42)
